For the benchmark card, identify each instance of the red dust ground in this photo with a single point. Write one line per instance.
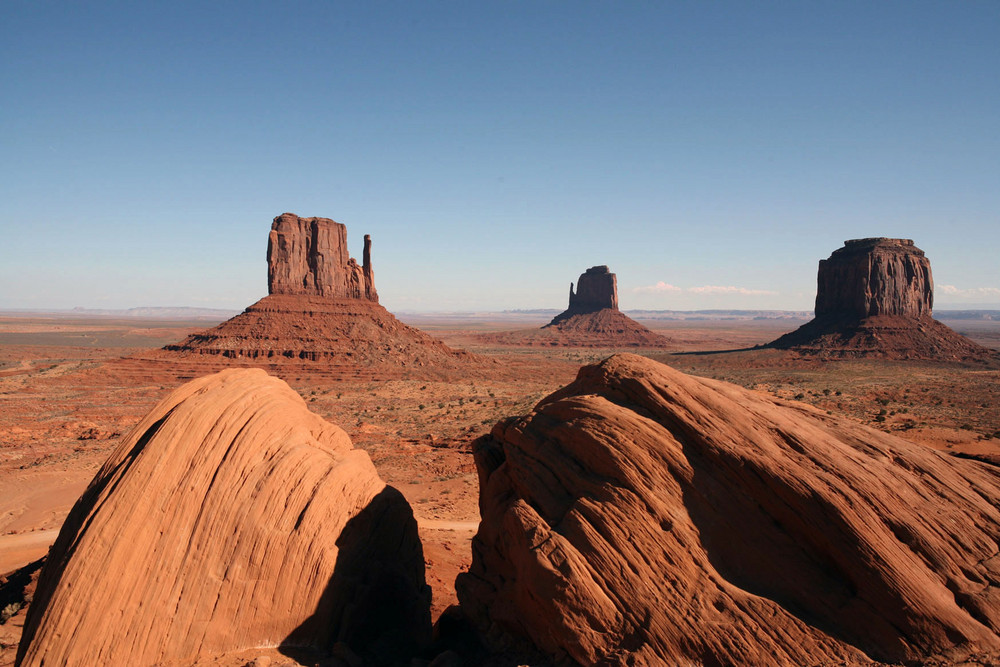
(66, 399)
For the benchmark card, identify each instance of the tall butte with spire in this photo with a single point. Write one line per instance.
(321, 306)
(874, 297)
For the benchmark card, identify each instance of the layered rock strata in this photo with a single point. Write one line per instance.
(231, 517)
(640, 516)
(874, 297)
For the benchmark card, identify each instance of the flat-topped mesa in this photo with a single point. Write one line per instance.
(596, 290)
(875, 276)
(309, 256)
(874, 299)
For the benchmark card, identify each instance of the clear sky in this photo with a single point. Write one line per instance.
(709, 152)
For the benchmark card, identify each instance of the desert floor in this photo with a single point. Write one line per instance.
(66, 400)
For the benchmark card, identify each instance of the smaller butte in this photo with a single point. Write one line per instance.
(591, 320)
(874, 298)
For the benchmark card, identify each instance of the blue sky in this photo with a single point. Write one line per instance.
(710, 153)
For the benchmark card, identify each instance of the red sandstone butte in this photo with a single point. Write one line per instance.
(874, 298)
(641, 516)
(309, 256)
(322, 306)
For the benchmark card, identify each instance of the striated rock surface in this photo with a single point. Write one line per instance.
(874, 298)
(230, 518)
(641, 516)
(877, 276)
(309, 256)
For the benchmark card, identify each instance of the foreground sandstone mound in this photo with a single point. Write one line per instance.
(230, 518)
(322, 306)
(592, 320)
(641, 516)
(874, 298)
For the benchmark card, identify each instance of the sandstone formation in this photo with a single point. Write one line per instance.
(592, 320)
(231, 518)
(321, 306)
(309, 256)
(640, 516)
(874, 298)
(871, 277)
(596, 289)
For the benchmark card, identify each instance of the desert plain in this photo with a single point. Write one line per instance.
(71, 385)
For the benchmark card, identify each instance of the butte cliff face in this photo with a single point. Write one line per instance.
(641, 516)
(871, 277)
(596, 289)
(309, 256)
(231, 517)
(322, 306)
(874, 298)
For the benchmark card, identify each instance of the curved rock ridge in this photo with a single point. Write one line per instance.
(230, 518)
(874, 297)
(640, 516)
(309, 256)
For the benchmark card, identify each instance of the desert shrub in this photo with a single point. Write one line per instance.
(9, 611)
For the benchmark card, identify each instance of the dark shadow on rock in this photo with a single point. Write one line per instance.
(376, 605)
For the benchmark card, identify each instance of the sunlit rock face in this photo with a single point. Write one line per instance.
(309, 256)
(641, 516)
(876, 276)
(230, 517)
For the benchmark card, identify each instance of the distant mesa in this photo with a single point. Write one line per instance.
(641, 516)
(231, 517)
(591, 320)
(874, 298)
(322, 306)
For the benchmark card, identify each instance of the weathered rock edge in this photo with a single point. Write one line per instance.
(641, 516)
(231, 517)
